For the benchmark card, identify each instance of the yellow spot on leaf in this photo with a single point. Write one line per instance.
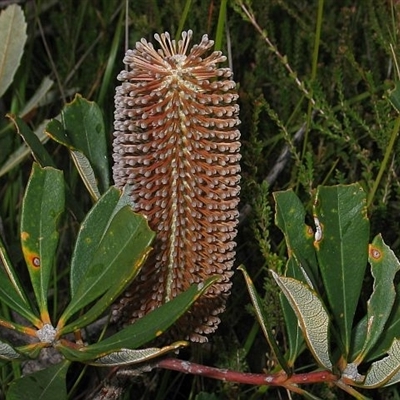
(24, 236)
(374, 252)
(309, 231)
(32, 259)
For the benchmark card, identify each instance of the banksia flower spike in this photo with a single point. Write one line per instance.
(176, 144)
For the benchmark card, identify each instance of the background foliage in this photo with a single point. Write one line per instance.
(344, 54)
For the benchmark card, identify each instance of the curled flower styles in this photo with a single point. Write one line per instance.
(176, 144)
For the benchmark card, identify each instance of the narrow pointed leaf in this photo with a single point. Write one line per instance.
(82, 129)
(8, 269)
(263, 320)
(391, 330)
(342, 224)
(123, 245)
(13, 299)
(384, 266)
(31, 350)
(39, 153)
(129, 357)
(91, 234)
(382, 371)
(290, 219)
(41, 209)
(47, 384)
(143, 330)
(16, 157)
(104, 302)
(12, 41)
(311, 314)
(36, 100)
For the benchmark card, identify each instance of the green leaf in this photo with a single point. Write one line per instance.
(82, 129)
(342, 240)
(384, 266)
(40, 154)
(31, 350)
(113, 256)
(86, 172)
(108, 297)
(8, 353)
(294, 333)
(385, 371)
(263, 320)
(91, 233)
(302, 264)
(22, 152)
(11, 291)
(38, 97)
(12, 41)
(311, 314)
(143, 330)
(129, 357)
(9, 296)
(47, 384)
(394, 96)
(42, 206)
(290, 219)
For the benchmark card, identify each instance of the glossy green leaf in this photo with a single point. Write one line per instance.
(42, 206)
(311, 314)
(47, 384)
(302, 264)
(12, 41)
(22, 152)
(129, 357)
(290, 218)
(391, 330)
(11, 291)
(82, 129)
(91, 233)
(262, 319)
(9, 296)
(384, 266)
(108, 297)
(143, 330)
(383, 371)
(118, 254)
(341, 242)
(90, 237)
(40, 154)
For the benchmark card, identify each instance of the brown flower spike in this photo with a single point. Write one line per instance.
(177, 145)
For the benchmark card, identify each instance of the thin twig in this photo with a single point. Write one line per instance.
(282, 58)
(278, 379)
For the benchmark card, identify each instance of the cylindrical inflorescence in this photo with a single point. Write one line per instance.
(176, 144)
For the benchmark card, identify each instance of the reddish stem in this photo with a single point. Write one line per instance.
(279, 379)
